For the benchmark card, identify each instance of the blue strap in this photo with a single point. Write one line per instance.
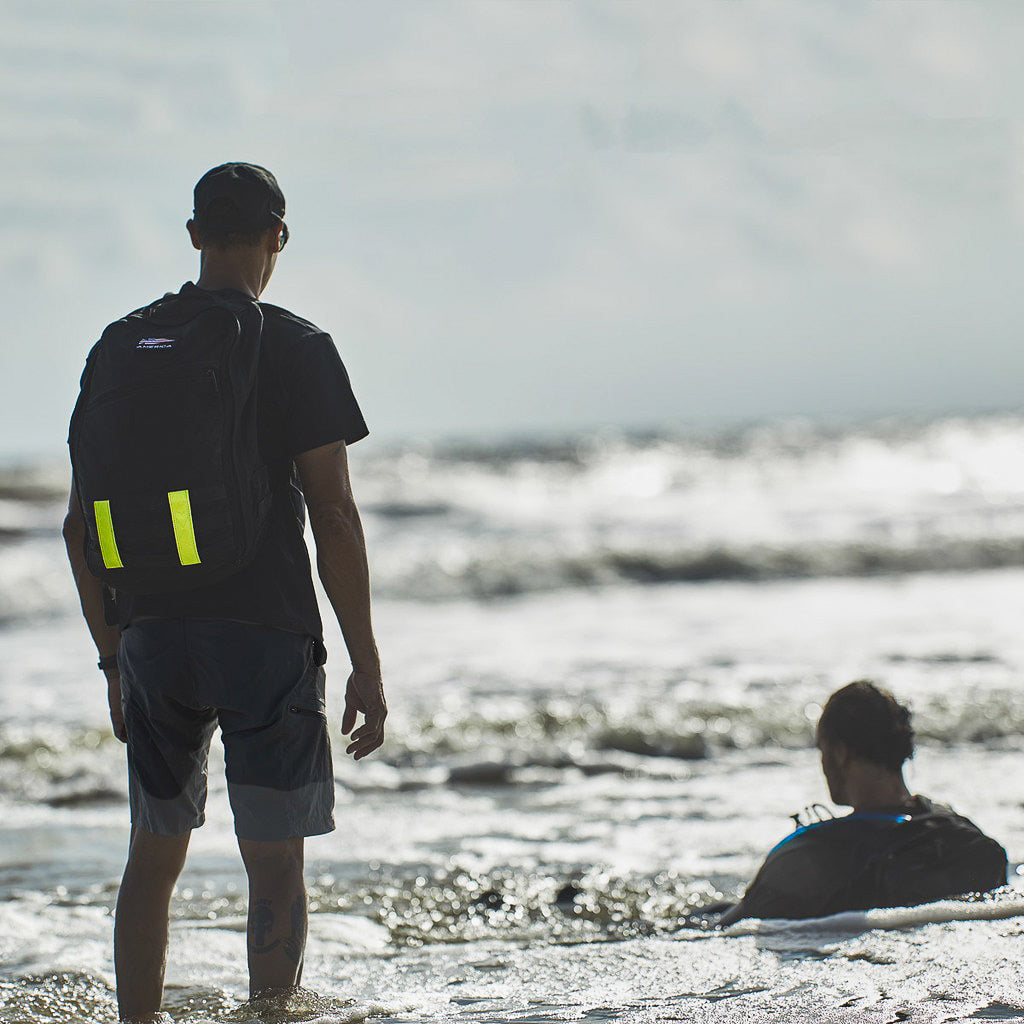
(896, 819)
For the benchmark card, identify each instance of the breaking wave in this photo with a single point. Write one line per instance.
(790, 500)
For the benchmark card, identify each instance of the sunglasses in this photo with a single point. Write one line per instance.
(284, 236)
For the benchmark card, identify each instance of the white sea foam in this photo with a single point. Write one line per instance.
(1009, 905)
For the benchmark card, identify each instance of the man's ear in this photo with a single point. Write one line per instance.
(841, 755)
(194, 234)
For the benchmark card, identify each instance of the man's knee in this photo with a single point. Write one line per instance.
(159, 857)
(272, 860)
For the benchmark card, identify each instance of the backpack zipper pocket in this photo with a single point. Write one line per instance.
(127, 391)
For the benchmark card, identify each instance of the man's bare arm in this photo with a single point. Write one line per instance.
(341, 563)
(90, 593)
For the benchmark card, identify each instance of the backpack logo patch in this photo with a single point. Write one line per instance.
(151, 343)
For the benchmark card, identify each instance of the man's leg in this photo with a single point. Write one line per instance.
(140, 929)
(277, 914)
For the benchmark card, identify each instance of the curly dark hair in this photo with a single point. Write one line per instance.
(870, 722)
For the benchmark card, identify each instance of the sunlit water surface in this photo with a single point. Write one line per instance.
(604, 662)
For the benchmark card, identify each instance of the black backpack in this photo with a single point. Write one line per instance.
(164, 445)
(934, 855)
(937, 855)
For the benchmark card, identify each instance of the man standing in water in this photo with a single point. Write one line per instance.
(241, 648)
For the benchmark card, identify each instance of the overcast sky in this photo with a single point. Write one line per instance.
(533, 215)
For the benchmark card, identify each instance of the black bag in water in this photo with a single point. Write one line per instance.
(936, 854)
(164, 445)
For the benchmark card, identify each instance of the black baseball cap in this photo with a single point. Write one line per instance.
(245, 197)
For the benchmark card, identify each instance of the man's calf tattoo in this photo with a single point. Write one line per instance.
(261, 924)
(295, 943)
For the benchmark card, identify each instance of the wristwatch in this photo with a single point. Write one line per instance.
(110, 661)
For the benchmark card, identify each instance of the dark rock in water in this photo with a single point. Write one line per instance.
(567, 895)
(408, 510)
(529, 768)
(690, 747)
(84, 797)
(592, 768)
(483, 773)
(946, 658)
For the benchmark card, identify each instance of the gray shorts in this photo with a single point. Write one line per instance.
(180, 678)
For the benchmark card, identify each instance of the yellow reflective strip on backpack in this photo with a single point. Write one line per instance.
(184, 532)
(105, 534)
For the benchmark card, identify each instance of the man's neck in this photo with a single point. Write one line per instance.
(237, 271)
(219, 282)
(878, 790)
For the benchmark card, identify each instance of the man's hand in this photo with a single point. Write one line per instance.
(364, 694)
(114, 700)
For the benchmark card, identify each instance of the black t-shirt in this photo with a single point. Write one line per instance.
(305, 401)
(886, 858)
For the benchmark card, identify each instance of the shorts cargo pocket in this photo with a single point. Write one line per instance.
(307, 699)
(315, 712)
(305, 746)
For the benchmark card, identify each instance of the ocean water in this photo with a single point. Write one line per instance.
(604, 657)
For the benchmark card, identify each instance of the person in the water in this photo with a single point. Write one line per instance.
(894, 850)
